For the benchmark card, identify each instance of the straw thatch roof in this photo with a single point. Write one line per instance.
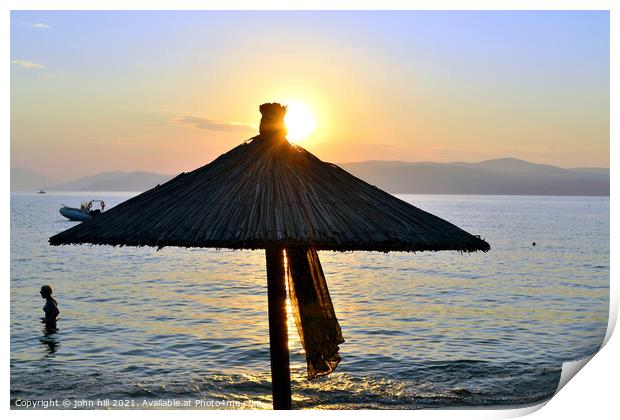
(269, 192)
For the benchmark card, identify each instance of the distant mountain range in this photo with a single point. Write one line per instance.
(27, 180)
(23, 179)
(498, 176)
(114, 181)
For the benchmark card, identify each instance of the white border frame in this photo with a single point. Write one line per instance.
(593, 393)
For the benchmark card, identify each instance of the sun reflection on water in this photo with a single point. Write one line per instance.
(136, 316)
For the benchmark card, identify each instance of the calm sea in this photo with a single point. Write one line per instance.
(422, 330)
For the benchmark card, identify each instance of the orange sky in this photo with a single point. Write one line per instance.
(170, 91)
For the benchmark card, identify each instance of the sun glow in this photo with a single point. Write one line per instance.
(299, 121)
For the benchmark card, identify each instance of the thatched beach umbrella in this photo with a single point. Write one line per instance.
(273, 195)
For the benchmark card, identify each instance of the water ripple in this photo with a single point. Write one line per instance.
(423, 329)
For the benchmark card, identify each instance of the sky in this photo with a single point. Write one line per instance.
(169, 91)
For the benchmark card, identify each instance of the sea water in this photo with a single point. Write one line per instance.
(434, 329)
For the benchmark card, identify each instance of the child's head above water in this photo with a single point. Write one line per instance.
(46, 291)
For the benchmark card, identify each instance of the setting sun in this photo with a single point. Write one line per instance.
(300, 122)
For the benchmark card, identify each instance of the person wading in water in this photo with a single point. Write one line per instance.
(51, 306)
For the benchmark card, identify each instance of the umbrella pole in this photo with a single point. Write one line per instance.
(278, 331)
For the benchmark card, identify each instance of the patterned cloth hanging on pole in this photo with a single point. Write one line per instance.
(314, 313)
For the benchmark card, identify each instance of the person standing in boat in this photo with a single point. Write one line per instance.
(51, 306)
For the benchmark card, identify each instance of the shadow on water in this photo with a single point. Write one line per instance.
(49, 338)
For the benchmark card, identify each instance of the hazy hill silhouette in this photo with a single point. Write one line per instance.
(114, 181)
(23, 179)
(498, 176)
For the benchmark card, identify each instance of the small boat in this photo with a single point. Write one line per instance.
(41, 192)
(85, 212)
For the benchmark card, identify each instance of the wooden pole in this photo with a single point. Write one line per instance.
(278, 331)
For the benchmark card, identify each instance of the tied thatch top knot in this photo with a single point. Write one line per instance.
(272, 121)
